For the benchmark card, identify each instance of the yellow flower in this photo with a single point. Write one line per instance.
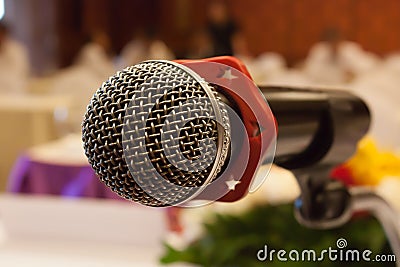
(369, 165)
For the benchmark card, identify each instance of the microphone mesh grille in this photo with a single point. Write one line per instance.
(105, 129)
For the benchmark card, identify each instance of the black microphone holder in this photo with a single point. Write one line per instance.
(318, 130)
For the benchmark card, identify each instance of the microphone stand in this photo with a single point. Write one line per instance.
(318, 130)
(333, 205)
(367, 200)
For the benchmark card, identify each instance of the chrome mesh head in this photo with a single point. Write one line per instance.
(156, 133)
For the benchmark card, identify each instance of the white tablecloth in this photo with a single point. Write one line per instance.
(27, 120)
(50, 231)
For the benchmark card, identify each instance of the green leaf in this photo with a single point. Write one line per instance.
(234, 240)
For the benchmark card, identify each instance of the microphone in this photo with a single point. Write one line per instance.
(168, 133)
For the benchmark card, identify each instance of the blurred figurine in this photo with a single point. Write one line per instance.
(200, 45)
(159, 50)
(93, 65)
(135, 51)
(265, 68)
(144, 46)
(240, 47)
(221, 28)
(14, 63)
(95, 54)
(336, 61)
(323, 63)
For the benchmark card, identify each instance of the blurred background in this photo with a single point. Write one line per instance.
(54, 54)
(54, 31)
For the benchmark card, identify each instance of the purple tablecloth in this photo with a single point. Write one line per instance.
(30, 176)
